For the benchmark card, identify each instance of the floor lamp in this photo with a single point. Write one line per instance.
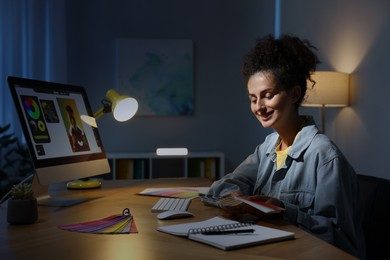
(331, 89)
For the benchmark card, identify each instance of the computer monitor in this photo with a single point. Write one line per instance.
(62, 147)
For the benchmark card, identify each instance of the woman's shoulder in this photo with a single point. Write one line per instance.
(314, 141)
(322, 144)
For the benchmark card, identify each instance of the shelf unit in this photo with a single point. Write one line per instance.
(149, 165)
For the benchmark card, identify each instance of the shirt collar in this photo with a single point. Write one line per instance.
(308, 131)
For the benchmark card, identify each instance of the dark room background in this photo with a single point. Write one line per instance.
(352, 36)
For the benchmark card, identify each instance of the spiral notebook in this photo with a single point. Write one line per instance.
(199, 231)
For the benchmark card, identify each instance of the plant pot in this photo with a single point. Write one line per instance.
(22, 212)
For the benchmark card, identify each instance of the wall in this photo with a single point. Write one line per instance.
(352, 36)
(222, 31)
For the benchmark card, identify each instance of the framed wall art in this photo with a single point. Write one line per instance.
(159, 73)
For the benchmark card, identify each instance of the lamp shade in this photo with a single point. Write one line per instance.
(331, 90)
(123, 107)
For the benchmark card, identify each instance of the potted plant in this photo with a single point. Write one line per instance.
(15, 161)
(22, 206)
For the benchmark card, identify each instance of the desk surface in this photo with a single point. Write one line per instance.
(44, 240)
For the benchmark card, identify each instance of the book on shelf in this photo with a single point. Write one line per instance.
(130, 169)
(139, 169)
(196, 167)
(124, 169)
(203, 167)
(227, 234)
(211, 168)
(236, 200)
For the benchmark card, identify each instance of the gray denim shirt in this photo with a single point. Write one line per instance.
(318, 187)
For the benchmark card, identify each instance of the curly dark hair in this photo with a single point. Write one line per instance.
(289, 59)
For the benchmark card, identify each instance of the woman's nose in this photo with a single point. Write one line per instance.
(260, 105)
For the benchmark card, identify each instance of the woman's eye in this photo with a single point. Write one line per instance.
(252, 99)
(269, 95)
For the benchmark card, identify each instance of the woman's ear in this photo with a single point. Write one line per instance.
(296, 93)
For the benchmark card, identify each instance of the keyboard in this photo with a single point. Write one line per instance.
(165, 204)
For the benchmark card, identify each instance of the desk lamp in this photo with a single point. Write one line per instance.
(331, 89)
(122, 107)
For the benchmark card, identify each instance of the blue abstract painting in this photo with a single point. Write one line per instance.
(158, 73)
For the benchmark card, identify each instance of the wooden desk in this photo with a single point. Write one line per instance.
(44, 240)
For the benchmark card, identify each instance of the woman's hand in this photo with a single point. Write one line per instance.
(269, 200)
(250, 213)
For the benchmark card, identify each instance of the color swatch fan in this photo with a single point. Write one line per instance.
(115, 224)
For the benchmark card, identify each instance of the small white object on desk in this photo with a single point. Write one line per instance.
(174, 214)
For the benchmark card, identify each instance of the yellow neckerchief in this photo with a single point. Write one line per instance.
(282, 155)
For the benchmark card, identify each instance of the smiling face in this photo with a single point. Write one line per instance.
(272, 105)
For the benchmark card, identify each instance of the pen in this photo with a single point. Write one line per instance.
(226, 232)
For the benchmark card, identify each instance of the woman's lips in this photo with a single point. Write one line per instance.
(266, 116)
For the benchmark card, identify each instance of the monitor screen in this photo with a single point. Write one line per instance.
(62, 146)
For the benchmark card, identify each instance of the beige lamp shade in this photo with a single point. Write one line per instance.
(331, 90)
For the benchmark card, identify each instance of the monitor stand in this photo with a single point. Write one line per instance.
(83, 184)
(41, 192)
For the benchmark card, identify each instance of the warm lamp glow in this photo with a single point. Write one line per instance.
(123, 108)
(330, 90)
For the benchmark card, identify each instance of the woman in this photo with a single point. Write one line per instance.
(296, 167)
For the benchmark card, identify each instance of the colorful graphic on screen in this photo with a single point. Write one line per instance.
(35, 119)
(49, 110)
(73, 125)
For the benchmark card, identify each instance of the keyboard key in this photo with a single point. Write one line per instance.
(165, 204)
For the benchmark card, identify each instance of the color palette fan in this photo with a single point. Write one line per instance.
(115, 224)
